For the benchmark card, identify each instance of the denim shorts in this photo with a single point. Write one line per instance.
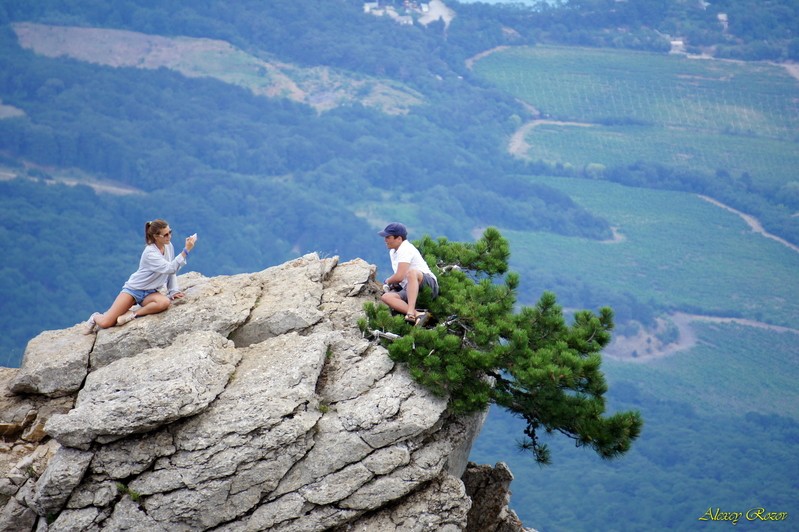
(138, 295)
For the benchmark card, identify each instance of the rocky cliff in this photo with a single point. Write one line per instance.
(254, 403)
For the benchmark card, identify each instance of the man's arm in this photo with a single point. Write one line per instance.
(400, 274)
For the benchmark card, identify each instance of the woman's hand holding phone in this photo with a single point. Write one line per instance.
(190, 241)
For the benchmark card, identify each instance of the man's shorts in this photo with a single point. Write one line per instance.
(427, 280)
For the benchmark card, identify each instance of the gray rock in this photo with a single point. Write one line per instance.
(219, 304)
(22, 417)
(269, 516)
(354, 370)
(94, 493)
(441, 506)
(16, 517)
(228, 457)
(290, 300)
(54, 364)
(394, 408)
(63, 475)
(85, 519)
(490, 488)
(254, 403)
(128, 516)
(152, 389)
(131, 456)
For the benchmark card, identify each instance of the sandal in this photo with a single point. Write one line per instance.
(411, 318)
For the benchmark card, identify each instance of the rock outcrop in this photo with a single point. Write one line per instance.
(254, 403)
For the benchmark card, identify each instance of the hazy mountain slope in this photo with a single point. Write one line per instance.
(265, 179)
(320, 87)
(260, 178)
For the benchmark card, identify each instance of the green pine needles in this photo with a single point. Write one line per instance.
(481, 350)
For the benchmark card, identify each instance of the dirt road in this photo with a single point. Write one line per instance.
(753, 222)
(645, 346)
(518, 146)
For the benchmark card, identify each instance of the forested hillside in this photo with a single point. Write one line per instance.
(302, 126)
(260, 179)
(265, 178)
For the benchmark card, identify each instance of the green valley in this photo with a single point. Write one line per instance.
(662, 185)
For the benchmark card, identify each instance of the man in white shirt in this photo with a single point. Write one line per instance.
(411, 273)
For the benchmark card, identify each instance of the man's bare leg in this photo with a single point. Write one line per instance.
(395, 302)
(412, 290)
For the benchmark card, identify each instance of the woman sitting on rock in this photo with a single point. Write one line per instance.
(158, 268)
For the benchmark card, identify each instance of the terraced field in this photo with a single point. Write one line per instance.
(708, 115)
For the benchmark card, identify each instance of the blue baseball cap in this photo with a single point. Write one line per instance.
(394, 229)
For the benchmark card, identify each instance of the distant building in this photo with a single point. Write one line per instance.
(402, 15)
(677, 46)
(723, 19)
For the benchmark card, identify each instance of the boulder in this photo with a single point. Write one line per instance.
(254, 403)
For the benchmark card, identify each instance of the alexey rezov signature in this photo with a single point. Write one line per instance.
(753, 514)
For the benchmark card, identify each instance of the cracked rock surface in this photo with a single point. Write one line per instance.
(254, 403)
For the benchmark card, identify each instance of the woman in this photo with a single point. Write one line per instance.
(157, 269)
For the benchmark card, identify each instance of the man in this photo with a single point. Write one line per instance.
(411, 273)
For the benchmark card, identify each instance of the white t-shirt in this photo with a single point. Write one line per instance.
(407, 252)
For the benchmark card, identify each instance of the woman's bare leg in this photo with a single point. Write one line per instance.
(153, 304)
(121, 305)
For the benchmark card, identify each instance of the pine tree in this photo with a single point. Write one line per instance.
(482, 350)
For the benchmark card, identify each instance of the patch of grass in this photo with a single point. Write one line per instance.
(702, 114)
(733, 369)
(125, 490)
(769, 162)
(676, 251)
(595, 84)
